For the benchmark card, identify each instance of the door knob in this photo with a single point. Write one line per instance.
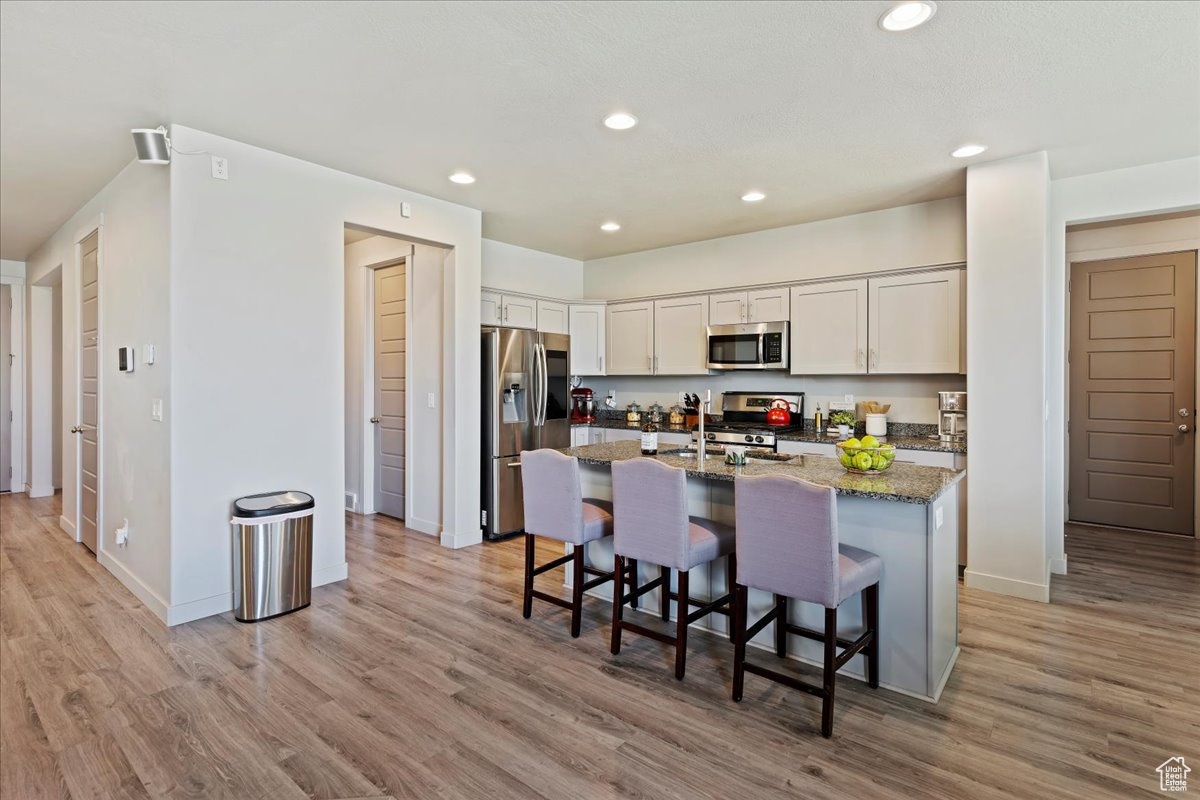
(374, 420)
(76, 429)
(1183, 428)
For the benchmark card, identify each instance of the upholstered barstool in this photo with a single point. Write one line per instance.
(555, 508)
(651, 523)
(787, 544)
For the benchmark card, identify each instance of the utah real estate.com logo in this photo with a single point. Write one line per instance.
(1172, 775)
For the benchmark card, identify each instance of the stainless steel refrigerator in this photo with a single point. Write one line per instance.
(526, 405)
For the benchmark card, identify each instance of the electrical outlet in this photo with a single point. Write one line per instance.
(122, 533)
(220, 168)
(431, 400)
(683, 397)
(849, 398)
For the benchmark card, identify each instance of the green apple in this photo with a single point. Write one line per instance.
(869, 441)
(853, 444)
(862, 461)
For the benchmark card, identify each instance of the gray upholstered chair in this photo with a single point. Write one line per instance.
(788, 544)
(555, 508)
(651, 523)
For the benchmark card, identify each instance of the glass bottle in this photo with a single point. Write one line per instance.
(650, 439)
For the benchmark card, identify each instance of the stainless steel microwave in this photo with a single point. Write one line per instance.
(757, 345)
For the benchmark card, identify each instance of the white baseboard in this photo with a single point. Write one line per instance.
(1012, 587)
(423, 525)
(39, 491)
(199, 609)
(458, 541)
(1058, 566)
(331, 574)
(134, 584)
(68, 527)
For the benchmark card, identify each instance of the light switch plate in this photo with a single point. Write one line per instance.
(405, 210)
(148, 353)
(156, 409)
(431, 400)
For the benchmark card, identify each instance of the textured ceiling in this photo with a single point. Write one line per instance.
(809, 102)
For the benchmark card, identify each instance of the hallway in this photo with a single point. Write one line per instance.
(418, 678)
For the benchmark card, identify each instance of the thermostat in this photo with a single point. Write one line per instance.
(125, 359)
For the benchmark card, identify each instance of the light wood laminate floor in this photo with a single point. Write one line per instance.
(418, 678)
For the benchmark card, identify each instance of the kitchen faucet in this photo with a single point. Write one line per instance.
(705, 404)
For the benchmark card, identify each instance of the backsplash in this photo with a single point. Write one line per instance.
(913, 397)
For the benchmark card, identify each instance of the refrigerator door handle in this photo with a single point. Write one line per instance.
(536, 389)
(544, 371)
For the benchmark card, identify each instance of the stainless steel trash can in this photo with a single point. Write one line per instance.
(272, 554)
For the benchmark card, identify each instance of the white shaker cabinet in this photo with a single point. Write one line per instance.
(519, 312)
(768, 305)
(551, 316)
(490, 304)
(680, 336)
(915, 323)
(727, 308)
(829, 328)
(586, 328)
(631, 338)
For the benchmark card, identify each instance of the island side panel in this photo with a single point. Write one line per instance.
(943, 588)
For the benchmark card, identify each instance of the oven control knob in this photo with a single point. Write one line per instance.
(757, 439)
(710, 436)
(750, 438)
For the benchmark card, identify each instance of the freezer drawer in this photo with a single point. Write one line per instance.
(507, 513)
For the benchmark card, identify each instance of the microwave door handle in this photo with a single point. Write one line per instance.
(761, 355)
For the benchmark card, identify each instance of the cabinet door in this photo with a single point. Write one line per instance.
(489, 308)
(618, 435)
(631, 338)
(519, 312)
(807, 449)
(728, 308)
(914, 323)
(551, 317)
(681, 336)
(587, 339)
(768, 305)
(579, 435)
(829, 328)
(926, 458)
(595, 435)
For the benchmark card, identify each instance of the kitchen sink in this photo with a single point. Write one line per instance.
(775, 458)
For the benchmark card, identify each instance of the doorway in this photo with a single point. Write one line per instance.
(88, 429)
(7, 357)
(390, 337)
(1132, 367)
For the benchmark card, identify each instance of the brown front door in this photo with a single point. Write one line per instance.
(1133, 392)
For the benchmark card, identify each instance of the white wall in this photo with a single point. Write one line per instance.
(1007, 213)
(923, 234)
(913, 397)
(56, 384)
(257, 317)
(13, 341)
(135, 450)
(519, 269)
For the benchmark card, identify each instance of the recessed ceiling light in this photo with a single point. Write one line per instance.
(620, 121)
(753, 197)
(968, 150)
(609, 227)
(906, 16)
(462, 177)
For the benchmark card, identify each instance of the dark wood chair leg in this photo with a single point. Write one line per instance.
(738, 623)
(633, 582)
(618, 602)
(681, 624)
(664, 594)
(527, 608)
(871, 617)
(829, 674)
(781, 615)
(577, 591)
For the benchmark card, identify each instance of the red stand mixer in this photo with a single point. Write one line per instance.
(583, 405)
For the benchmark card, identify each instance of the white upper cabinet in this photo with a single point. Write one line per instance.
(519, 312)
(680, 336)
(728, 308)
(587, 339)
(631, 338)
(551, 316)
(829, 328)
(489, 308)
(915, 323)
(768, 305)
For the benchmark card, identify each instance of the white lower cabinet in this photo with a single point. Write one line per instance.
(807, 449)
(631, 338)
(619, 435)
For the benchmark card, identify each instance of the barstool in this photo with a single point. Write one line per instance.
(555, 508)
(787, 544)
(651, 523)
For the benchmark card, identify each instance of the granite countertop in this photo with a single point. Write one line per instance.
(904, 483)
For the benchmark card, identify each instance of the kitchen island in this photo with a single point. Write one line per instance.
(907, 516)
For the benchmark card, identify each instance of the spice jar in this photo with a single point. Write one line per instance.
(656, 413)
(677, 415)
(633, 414)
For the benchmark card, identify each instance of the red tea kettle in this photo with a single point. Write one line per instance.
(779, 412)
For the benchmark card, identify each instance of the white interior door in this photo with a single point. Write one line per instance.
(89, 389)
(390, 346)
(6, 362)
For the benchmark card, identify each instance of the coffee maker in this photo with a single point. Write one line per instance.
(583, 405)
(952, 416)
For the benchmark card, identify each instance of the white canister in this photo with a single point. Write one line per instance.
(843, 431)
(877, 425)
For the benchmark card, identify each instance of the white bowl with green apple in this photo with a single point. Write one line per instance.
(865, 456)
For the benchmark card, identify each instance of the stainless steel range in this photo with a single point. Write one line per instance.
(744, 421)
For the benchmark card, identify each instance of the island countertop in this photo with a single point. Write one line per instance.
(904, 483)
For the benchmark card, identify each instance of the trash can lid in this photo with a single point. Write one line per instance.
(270, 503)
